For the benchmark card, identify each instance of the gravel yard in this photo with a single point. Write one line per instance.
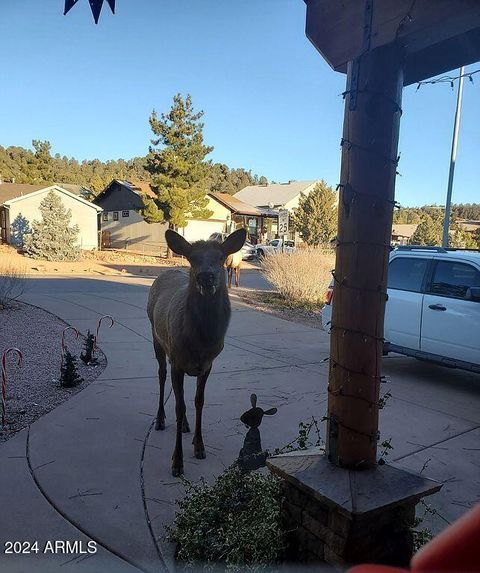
(34, 389)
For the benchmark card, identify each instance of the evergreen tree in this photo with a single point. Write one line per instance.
(52, 238)
(176, 162)
(428, 232)
(44, 160)
(69, 377)
(151, 213)
(89, 347)
(316, 216)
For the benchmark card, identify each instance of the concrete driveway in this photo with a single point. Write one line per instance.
(95, 469)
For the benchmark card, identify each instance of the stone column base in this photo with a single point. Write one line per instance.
(345, 517)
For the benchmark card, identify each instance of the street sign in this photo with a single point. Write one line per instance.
(282, 222)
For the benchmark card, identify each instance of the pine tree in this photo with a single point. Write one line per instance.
(52, 238)
(89, 348)
(69, 377)
(151, 213)
(316, 215)
(176, 162)
(428, 232)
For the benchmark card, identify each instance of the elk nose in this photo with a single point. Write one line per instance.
(206, 279)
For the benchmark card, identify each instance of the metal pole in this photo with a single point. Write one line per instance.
(453, 158)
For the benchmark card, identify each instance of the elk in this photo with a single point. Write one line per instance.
(189, 313)
(233, 265)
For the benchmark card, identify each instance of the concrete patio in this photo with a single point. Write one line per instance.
(94, 468)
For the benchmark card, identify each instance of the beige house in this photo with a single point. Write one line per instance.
(19, 207)
(270, 198)
(276, 195)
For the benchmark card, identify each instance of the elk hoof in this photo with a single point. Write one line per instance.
(200, 454)
(177, 472)
(160, 425)
(185, 426)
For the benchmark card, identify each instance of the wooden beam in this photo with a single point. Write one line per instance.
(427, 31)
(367, 186)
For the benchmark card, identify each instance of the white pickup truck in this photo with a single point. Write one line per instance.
(274, 246)
(433, 306)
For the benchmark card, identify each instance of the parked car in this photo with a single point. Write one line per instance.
(433, 306)
(274, 246)
(248, 250)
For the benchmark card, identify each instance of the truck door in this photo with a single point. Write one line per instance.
(451, 322)
(403, 311)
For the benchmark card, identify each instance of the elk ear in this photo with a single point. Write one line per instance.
(270, 412)
(234, 242)
(177, 243)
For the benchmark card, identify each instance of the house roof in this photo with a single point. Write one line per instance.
(469, 224)
(12, 190)
(138, 187)
(274, 194)
(404, 229)
(79, 190)
(235, 205)
(35, 189)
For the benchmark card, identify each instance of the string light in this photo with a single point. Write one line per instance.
(448, 79)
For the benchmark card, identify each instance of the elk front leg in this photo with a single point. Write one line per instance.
(230, 275)
(198, 446)
(162, 376)
(237, 276)
(180, 409)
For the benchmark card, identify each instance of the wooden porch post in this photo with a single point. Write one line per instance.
(367, 186)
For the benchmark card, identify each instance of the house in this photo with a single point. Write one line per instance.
(19, 207)
(275, 195)
(402, 233)
(124, 227)
(470, 226)
(270, 198)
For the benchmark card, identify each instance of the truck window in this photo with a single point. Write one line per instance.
(453, 279)
(407, 273)
(274, 243)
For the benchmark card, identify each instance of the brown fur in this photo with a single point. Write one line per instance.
(233, 264)
(189, 314)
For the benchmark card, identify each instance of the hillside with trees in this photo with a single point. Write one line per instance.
(38, 165)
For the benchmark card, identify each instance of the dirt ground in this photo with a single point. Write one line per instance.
(271, 302)
(34, 388)
(109, 262)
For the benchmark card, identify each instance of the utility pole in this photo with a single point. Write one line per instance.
(453, 158)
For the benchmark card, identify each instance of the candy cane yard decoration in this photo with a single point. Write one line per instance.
(65, 330)
(4, 379)
(99, 324)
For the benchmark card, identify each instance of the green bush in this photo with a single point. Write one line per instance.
(234, 521)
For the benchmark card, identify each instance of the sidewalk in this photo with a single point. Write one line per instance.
(95, 469)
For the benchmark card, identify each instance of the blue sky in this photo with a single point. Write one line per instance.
(271, 103)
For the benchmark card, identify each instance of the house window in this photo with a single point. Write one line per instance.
(125, 213)
(115, 215)
(105, 216)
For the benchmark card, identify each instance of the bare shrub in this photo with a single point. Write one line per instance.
(301, 277)
(12, 283)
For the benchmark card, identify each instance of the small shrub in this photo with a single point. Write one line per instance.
(301, 277)
(234, 521)
(12, 283)
(69, 376)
